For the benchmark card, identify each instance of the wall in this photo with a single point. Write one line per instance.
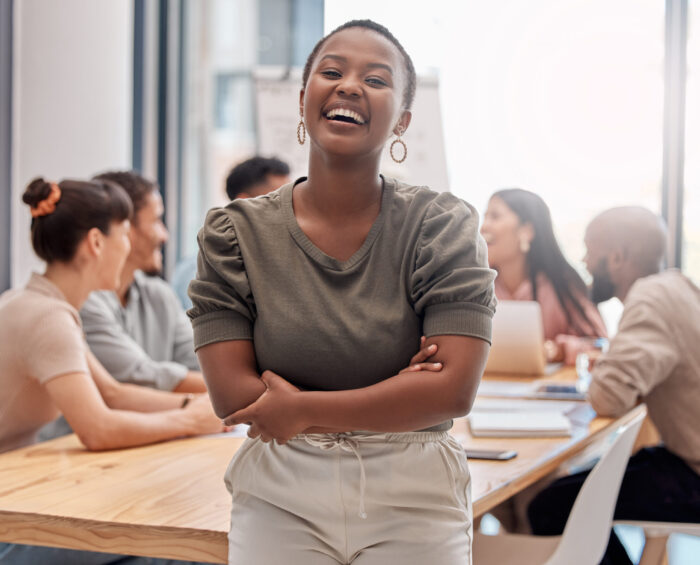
(71, 99)
(5, 138)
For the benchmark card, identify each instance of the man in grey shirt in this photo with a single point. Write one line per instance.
(140, 333)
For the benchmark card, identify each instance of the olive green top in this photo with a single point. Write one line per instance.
(325, 324)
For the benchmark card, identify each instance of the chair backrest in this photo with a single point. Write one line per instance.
(587, 530)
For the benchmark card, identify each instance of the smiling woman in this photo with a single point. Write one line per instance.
(308, 313)
(379, 70)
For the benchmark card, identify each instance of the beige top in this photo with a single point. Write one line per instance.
(41, 339)
(655, 359)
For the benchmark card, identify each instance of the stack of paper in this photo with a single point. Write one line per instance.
(537, 390)
(519, 424)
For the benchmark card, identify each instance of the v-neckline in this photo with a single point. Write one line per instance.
(310, 247)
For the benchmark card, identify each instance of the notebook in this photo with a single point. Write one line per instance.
(517, 339)
(544, 390)
(519, 424)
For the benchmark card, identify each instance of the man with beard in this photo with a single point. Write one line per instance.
(141, 333)
(654, 359)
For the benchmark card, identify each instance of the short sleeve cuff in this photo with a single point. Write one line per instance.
(458, 318)
(61, 370)
(169, 375)
(222, 325)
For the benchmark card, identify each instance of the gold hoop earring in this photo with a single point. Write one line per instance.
(524, 245)
(301, 132)
(405, 149)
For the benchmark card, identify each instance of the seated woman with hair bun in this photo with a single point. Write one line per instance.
(81, 230)
(522, 247)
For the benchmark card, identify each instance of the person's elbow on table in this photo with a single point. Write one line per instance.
(95, 437)
(606, 402)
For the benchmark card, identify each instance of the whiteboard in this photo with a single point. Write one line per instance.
(277, 116)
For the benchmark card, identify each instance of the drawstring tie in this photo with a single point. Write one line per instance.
(326, 442)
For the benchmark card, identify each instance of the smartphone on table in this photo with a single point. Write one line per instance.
(490, 454)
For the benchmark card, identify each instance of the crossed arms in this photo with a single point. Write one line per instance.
(420, 396)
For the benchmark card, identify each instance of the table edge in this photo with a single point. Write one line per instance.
(168, 542)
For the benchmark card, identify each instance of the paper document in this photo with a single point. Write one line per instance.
(504, 389)
(241, 430)
(519, 424)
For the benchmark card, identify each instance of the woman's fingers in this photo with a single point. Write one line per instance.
(433, 367)
(273, 380)
(265, 436)
(238, 417)
(418, 361)
(253, 431)
(423, 353)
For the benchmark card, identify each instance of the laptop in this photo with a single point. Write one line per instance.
(518, 339)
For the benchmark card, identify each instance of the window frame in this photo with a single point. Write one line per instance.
(6, 86)
(673, 173)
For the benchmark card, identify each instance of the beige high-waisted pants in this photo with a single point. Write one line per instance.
(361, 498)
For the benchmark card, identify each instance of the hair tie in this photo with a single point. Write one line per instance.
(48, 204)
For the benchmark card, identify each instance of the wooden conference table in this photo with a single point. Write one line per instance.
(169, 500)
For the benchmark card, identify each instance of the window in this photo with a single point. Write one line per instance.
(691, 201)
(561, 97)
(225, 43)
(5, 140)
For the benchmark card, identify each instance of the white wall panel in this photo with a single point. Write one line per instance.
(72, 99)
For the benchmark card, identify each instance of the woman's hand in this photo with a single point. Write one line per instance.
(277, 414)
(418, 363)
(553, 351)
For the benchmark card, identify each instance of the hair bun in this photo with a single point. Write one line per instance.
(36, 191)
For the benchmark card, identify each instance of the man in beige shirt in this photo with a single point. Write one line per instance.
(654, 359)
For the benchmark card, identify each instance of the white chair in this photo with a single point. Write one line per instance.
(657, 534)
(587, 530)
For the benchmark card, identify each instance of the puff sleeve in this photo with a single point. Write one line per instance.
(59, 338)
(451, 286)
(223, 307)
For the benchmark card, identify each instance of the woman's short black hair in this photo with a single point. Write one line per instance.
(83, 205)
(409, 92)
(545, 255)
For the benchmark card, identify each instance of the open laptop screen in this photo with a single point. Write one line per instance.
(518, 339)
